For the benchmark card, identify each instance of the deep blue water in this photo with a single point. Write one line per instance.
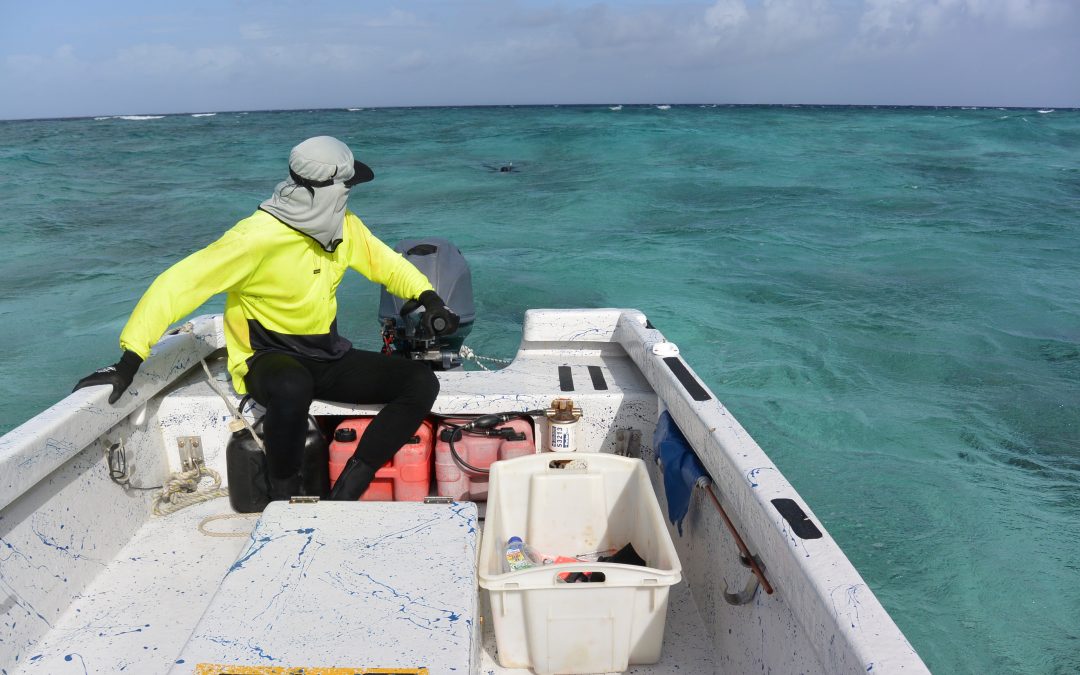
(887, 299)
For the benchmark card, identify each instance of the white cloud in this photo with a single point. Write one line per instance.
(518, 51)
(417, 59)
(602, 27)
(726, 15)
(735, 32)
(522, 17)
(884, 19)
(893, 21)
(396, 18)
(1027, 14)
(62, 59)
(211, 63)
(256, 31)
(797, 21)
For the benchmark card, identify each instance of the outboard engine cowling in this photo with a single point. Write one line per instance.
(443, 265)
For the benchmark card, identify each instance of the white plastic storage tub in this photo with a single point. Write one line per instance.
(567, 507)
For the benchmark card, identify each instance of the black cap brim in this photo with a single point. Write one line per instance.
(362, 173)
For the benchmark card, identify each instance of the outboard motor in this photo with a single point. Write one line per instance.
(442, 263)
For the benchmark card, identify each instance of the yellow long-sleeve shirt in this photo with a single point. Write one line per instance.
(281, 286)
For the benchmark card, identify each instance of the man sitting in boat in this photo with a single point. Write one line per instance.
(280, 268)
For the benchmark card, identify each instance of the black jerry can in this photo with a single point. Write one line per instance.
(245, 462)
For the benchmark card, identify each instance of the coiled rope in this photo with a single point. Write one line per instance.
(225, 516)
(181, 489)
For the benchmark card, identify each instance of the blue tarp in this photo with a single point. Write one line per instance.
(682, 468)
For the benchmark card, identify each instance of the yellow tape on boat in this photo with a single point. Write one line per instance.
(219, 669)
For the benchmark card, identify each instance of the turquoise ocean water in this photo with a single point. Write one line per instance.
(887, 299)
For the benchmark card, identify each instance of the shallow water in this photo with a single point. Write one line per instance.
(887, 299)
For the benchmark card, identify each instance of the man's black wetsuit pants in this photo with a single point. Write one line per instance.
(286, 384)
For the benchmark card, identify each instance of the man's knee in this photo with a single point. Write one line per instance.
(291, 390)
(423, 386)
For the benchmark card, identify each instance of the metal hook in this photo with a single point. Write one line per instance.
(752, 584)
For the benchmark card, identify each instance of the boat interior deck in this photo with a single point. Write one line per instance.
(124, 623)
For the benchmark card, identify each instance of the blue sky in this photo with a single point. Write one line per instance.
(62, 59)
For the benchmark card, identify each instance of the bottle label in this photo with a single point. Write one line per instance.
(517, 560)
(562, 438)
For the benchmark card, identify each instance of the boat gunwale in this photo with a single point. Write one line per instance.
(37, 447)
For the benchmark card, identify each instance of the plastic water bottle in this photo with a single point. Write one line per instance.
(519, 556)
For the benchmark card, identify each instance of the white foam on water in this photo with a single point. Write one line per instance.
(354, 109)
(138, 118)
(203, 114)
(1043, 112)
(99, 119)
(663, 107)
(615, 107)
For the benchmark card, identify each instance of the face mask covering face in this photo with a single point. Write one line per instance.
(317, 212)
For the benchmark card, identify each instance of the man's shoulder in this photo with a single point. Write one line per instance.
(259, 222)
(353, 222)
(355, 232)
(260, 228)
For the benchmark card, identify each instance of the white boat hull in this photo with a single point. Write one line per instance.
(91, 582)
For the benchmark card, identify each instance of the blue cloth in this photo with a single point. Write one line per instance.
(682, 468)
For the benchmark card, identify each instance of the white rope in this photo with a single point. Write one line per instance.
(225, 516)
(469, 355)
(235, 413)
(182, 490)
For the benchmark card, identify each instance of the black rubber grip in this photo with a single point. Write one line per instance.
(796, 518)
(696, 391)
(566, 379)
(598, 381)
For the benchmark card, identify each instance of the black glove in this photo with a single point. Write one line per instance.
(437, 318)
(119, 375)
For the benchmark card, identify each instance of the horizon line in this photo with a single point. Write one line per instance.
(103, 117)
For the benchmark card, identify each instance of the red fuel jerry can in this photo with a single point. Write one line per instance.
(454, 480)
(405, 478)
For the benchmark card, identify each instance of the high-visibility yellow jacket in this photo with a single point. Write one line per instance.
(281, 285)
